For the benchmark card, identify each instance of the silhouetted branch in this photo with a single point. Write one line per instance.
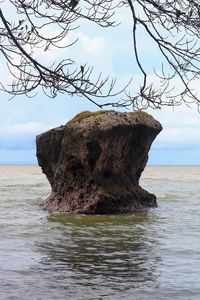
(173, 27)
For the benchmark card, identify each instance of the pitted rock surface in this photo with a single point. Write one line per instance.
(94, 165)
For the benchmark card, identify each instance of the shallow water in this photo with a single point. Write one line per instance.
(154, 255)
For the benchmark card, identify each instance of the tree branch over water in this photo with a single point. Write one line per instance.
(173, 27)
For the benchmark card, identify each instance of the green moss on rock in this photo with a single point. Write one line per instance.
(86, 114)
(140, 113)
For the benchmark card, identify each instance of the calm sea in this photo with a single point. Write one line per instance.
(154, 255)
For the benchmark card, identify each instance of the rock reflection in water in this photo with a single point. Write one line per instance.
(108, 251)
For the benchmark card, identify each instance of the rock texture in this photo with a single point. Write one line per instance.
(94, 162)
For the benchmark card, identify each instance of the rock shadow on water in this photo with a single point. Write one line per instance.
(105, 253)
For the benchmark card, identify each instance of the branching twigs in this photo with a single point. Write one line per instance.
(172, 25)
(65, 77)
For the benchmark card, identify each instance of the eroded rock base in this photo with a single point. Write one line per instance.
(95, 161)
(99, 202)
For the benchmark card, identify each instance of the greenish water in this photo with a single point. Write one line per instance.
(154, 255)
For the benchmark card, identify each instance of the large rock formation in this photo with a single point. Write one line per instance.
(95, 161)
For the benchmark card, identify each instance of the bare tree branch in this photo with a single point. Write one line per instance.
(173, 27)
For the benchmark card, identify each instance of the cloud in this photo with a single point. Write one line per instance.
(21, 119)
(178, 138)
(20, 136)
(95, 46)
(23, 128)
(181, 128)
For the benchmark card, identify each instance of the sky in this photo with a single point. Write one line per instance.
(110, 52)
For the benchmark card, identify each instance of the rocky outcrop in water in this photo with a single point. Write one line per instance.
(95, 161)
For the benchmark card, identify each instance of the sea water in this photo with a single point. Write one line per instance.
(150, 255)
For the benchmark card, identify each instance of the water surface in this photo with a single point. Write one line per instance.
(154, 255)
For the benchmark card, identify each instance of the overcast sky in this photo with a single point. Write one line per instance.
(110, 52)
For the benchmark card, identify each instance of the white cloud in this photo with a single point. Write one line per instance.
(181, 128)
(95, 46)
(23, 128)
(20, 136)
(179, 138)
(20, 120)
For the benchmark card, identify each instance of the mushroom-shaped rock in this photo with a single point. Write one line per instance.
(95, 161)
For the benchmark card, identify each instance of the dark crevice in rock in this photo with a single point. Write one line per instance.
(94, 151)
(94, 165)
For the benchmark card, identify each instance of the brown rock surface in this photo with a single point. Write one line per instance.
(94, 164)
